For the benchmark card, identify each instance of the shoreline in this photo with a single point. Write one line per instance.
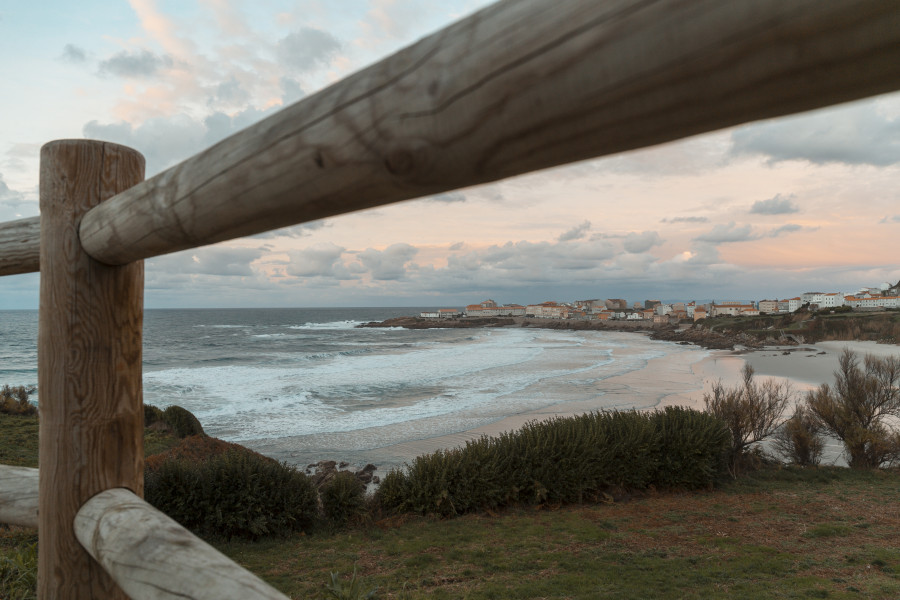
(678, 378)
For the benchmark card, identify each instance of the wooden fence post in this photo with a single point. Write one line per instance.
(89, 363)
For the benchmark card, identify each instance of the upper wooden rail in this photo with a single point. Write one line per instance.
(519, 86)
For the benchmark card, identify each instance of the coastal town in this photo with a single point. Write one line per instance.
(885, 296)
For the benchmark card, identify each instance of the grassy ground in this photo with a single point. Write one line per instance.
(777, 533)
(789, 533)
(19, 441)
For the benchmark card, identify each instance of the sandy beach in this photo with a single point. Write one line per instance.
(679, 379)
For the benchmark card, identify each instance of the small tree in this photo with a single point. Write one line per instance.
(855, 410)
(752, 411)
(798, 440)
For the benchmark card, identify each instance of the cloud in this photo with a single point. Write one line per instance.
(319, 260)
(307, 48)
(576, 233)
(136, 64)
(788, 228)
(890, 219)
(779, 205)
(636, 243)
(222, 261)
(389, 264)
(721, 234)
(685, 220)
(166, 141)
(14, 204)
(853, 134)
(448, 197)
(73, 54)
(295, 231)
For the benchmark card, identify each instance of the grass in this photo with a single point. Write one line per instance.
(776, 533)
(779, 533)
(19, 441)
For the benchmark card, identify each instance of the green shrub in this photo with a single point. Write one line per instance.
(182, 421)
(564, 460)
(235, 494)
(18, 573)
(153, 415)
(14, 401)
(859, 409)
(751, 410)
(799, 440)
(343, 498)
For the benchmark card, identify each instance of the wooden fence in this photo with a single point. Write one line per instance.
(521, 85)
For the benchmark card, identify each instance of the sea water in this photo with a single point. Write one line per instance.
(304, 384)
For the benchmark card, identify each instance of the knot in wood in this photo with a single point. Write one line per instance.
(406, 158)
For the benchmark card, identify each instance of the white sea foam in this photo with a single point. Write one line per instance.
(491, 374)
(331, 325)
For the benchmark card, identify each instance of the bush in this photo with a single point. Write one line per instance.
(856, 409)
(798, 439)
(182, 421)
(563, 460)
(14, 401)
(752, 411)
(343, 498)
(235, 494)
(153, 415)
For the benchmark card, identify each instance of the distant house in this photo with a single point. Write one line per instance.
(548, 310)
(699, 313)
(429, 314)
(448, 313)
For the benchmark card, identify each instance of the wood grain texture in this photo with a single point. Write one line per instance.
(89, 362)
(152, 557)
(19, 496)
(519, 86)
(20, 246)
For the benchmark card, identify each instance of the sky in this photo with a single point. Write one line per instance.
(766, 210)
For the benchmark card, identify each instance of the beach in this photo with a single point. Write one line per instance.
(679, 379)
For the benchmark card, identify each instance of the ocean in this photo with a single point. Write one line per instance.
(307, 384)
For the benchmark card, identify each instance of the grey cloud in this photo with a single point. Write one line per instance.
(166, 141)
(389, 264)
(852, 134)
(215, 260)
(296, 231)
(140, 63)
(320, 260)
(685, 220)
(779, 205)
(890, 219)
(788, 228)
(721, 234)
(308, 48)
(636, 243)
(73, 54)
(291, 91)
(457, 246)
(448, 197)
(15, 204)
(576, 233)
(230, 92)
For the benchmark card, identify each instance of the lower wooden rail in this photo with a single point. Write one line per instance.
(19, 496)
(149, 556)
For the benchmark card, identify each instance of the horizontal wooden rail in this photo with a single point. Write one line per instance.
(19, 496)
(519, 86)
(151, 557)
(20, 246)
